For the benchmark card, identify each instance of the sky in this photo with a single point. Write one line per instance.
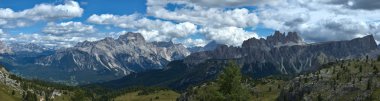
(63, 23)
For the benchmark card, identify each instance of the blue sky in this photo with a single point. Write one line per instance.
(118, 7)
(63, 23)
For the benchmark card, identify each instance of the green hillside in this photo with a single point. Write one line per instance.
(339, 81)
(346, 80)
(162, 95)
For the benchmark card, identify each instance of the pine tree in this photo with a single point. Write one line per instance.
(319, 98)
(269, 89)
(30, 96)
(375, 70)
(230, 83)
(369, 84)
(333, 72)
(228, 87)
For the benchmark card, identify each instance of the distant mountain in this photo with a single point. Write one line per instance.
(288, 53)
(209, 47)
(102, 60)
(279, 54)
(4, 48)
(28, 47)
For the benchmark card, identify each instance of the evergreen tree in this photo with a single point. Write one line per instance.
(79, 95)
(228, 87)
(30, 96)
(369, 84)
(230, 83)
(375, 70)
(269, 89)
(319, 98)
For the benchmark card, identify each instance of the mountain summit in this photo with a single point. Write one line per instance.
(288, 53)
(108, 59)
(279, 54)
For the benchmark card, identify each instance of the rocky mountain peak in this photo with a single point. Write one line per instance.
(212, 45)
(84, 44)
(27, 47)
(275, 40)
(208, 47)
(114, 58)
(163, 44)
(293, 37)
(132, 37)
(281, 38)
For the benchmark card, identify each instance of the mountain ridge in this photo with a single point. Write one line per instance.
(107, 58)
(291, 59)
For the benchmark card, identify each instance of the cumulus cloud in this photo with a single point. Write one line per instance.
(215, 22)
(231, 3)
(68, 28)
(1, 31)
(207, 18)
(116, 20)
(320, 20)
(189, 42)
(223, 21)
(358, 4)
(41, 12)
(201, 15)
(56, 41)
(152, 30)
(228, 35)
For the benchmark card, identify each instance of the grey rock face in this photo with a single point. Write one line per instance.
(209, 47)
(129, 53)
(288, 53)
(30, 47)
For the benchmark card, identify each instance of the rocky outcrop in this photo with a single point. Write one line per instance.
(254, 60)
(209, 47)
(113, 57)
(28, 47)
(288, 53)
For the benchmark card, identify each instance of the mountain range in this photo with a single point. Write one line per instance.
(138, 62)
(278, 54)
(101, 60)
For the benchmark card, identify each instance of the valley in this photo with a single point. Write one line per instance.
(340, 70)
(349, 79)
(190, 50)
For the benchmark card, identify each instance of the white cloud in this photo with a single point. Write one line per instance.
(231, 3)
(228, 35)
(189, 42)
(201, 15)
(320, 20)
(113, 19)
(357, 4)
(186, 20)
(57, 41)
(152, 30)
(1, 31)
(68, 28)
(40, 12)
